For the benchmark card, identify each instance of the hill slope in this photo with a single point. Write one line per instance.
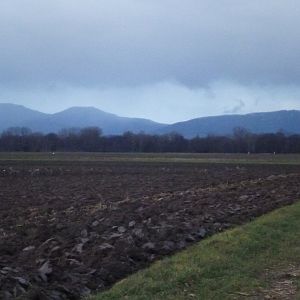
(16, 115)
(77, 117)
(288, 121)
(88, 116)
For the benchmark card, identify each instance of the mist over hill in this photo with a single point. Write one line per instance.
(12, 115)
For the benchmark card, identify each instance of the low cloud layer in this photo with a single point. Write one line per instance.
(133, 56)
(164, 102)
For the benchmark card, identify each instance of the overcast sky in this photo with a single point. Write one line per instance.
(167, 60)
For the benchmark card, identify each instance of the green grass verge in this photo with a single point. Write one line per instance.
(224, 266)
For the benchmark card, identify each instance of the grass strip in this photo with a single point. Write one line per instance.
(229, 265)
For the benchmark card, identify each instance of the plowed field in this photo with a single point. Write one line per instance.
(70, 229)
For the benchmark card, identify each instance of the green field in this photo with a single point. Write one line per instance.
(152, 157)
(260, 260)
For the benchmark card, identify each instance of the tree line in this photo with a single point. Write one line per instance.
(91, 139)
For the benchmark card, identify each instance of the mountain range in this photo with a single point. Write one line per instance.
(12, 115)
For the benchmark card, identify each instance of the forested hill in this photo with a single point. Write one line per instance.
(287, 121)
(12, 115)
(80, 117)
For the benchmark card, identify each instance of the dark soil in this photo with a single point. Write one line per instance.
(69, 230)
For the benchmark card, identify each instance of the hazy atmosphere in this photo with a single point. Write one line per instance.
(164, 60)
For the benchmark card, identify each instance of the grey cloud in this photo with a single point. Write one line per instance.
(236, 109)
(168, 60)
(121, 43)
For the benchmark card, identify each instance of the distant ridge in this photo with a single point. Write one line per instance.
(287, 121)
(74, 117)
(12, 115)
(17, 115)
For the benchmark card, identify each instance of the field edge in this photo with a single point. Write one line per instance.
(231, 265)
